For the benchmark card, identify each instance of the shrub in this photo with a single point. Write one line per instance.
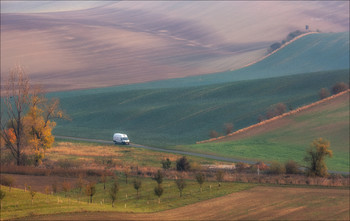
(182, 164)
(274, 47)
(240, 166)
(166, 164)
(137, 185)
(7, 181)
(200, 177)
(324, 92)
(339, 87)
(213, 134)
(158, 177)
(277, 168)
(158, 191)
(228, 128)
(292, 167)
(181, 184)
(276, 110)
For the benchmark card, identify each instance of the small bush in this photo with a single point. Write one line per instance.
(292, 167)
(200, 177)
(137, 185)
(166, 164)
(181, 184)
(339, 87)
(228, 128)
(276, 110)
(240, 166)
(158, 177)
(182, 164)
(324, 92)
(158, 191)
(277, 168)
(7, 181)
(213, 134)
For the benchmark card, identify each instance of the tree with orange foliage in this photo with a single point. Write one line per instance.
(39, 124)
(28, 120)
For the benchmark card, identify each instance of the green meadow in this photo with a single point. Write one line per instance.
(17, 203)
(290, 142)
(166, 117)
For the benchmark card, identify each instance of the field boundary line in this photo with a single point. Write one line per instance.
(277, 117)
(277, 50)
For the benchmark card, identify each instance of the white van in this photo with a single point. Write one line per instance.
(121, 138)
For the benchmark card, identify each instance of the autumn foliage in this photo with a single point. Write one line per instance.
(27, 127)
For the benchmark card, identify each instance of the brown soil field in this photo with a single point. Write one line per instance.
(259, 203)
(126, 43)
(284, 120)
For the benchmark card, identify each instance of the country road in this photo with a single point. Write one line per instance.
(180, 152)
(160, 149)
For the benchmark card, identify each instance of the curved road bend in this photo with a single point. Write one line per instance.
(161, 150)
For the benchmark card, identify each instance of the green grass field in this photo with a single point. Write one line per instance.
(174, 116)
(17, 203)
(290, 141)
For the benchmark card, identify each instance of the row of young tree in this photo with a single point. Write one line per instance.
(315, 159)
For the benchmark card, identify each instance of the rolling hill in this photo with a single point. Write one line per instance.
(287, 138)
(74, 45)
(184, 115)
(183, 111)
(311, 53)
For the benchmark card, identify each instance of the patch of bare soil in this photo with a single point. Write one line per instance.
(260, 203)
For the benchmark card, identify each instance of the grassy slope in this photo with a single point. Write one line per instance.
(259, 203)
(290, 140)
(48, 204)
(262, 202)
(163, 117)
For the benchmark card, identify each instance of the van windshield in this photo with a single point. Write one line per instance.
(125, 138)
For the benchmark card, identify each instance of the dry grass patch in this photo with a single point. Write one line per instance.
(66, 148)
